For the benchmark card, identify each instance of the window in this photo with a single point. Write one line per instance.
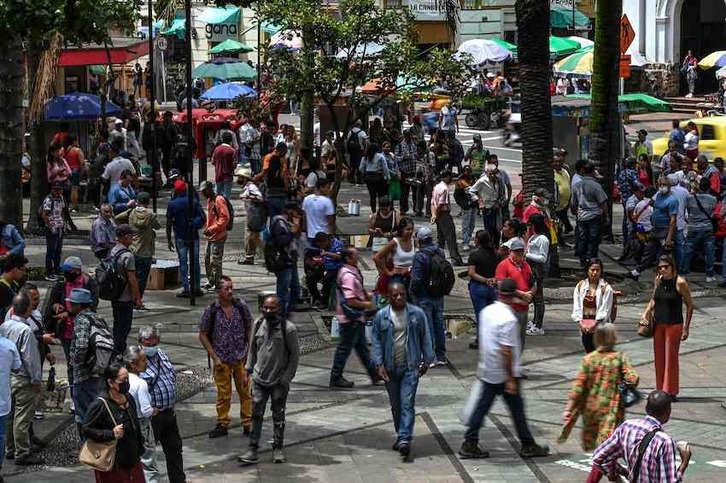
(470, 4)
(708, 132)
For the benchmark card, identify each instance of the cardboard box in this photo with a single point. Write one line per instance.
(163, 277)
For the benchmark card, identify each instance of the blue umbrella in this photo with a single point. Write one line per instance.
(78, 106)
(227, 92)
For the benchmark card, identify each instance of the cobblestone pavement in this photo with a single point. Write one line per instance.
(341, 436)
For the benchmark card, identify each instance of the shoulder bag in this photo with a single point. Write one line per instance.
(642, 446)
(100, 456)
(715, 222)
(645, 324)
(629, 395)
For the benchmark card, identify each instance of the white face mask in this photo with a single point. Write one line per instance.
(663, 190)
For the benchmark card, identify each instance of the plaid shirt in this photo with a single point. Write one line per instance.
(406, 155)
(163, 393)
(659, 459)
(79, 344)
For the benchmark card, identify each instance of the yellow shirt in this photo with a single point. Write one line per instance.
(562, 181)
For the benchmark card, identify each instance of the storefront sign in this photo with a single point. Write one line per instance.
(426, 10)
(562, 3)
(219, 32)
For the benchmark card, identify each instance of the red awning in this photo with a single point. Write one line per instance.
(96, 55)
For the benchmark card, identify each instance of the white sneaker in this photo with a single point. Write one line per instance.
(710, 279)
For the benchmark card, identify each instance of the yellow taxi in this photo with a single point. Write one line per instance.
(712, 137)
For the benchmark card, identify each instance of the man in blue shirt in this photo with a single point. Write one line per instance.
(122, 196)
(677, 135)
(177, 216)
(665, 211)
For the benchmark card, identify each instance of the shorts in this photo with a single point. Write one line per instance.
(76, 175)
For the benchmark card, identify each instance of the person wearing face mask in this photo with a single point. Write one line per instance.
(664, 222)
(161, 379)
(135, 363)
(272, 362)
(113, 417)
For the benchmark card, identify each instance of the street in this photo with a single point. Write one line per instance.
(345, 435)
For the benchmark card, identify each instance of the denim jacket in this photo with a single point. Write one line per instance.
(420, 348)
(13, 240)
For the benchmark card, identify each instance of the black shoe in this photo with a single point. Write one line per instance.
(218, 432)
(198, 293)
(472, 451)
(10, 455)
(396, 446)
(35, 449)
(474, 345)
(29, 460)
(246, 431)
(249, 458)
(534, 450)
(404, 448)
(245, 262)
(341, 383)
(182, 295)
(37, 442)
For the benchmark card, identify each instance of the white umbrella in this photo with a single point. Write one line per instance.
(721, 73)
(581, 40)
(370, 49)
(289, 39)
(484, 51)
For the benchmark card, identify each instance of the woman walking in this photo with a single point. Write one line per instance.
(592, 303)
(76, 162)
(374, 169)
(665, 309)
(482, 282)
(595, 395)
(537, 254)
(382, 225)
(113, 416)
(394, 261)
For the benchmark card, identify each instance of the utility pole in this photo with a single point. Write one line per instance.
(190, 159)
(152, 108)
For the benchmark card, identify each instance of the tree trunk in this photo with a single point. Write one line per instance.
(605, 120)
(38, 153)
(534, 78)
(307, 96)
(11, 119)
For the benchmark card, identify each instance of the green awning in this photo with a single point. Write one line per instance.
(270, 28)
(560, 46)
(97, 69)
(635, 101)
(178, 28)
(561, 17)
(217, 15)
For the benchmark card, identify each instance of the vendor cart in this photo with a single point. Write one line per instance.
(485, 112)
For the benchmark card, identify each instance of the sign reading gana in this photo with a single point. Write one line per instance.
(218, 32)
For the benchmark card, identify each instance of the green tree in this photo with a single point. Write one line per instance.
(604, 124)
(31, 28)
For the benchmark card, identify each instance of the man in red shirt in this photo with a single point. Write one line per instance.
(215, 231)
(516, 268)
(224, 160)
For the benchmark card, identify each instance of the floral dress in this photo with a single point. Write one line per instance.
(596, 396)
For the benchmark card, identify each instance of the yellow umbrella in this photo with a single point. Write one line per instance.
(714, 59)
(578, 63)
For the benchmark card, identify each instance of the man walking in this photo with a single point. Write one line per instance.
(224, 160)
(589, 205)
(441, 215)
(215, 231)
(123, 306)
(319, 211)
(658, 461)
(144, 222)
(161, 379)
(499, 371)
(272, 363)
(432, 304)
(353, 302)
(25, 383)
(224, 332)
(402, 351)
(177, 214)
(254, 203)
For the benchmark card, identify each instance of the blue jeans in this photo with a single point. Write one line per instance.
(183, 254)
(468, 223)
(143, 267)
(84, 394)
(704, 239)
(514, 402)
(352, 337)
(3, 424)
(53, 249)
(288, 288)
(275, 204)
(589, 236)
(679, 251)
(401, 386)
(224, 188)
(434, 310)
(481, 295)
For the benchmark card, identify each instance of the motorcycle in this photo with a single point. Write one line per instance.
(510, 134)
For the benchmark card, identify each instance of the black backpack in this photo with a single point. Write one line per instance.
(101, 351)
(441, 275)
(230, 210)
(276, 256)
(463, 198)
(353, 145)
(111, 282)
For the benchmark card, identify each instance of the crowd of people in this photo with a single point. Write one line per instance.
(290, 219)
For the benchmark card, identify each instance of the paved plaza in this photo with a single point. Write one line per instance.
(346, 435)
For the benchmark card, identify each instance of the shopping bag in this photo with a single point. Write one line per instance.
(394, 190)
(472, 402)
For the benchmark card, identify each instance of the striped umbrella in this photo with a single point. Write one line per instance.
(714, 59)
(579, 63)
(560, 46)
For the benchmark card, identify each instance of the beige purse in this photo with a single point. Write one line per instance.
(97, 455)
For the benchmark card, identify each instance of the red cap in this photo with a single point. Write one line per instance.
(180, 186)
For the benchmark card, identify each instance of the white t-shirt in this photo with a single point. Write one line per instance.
(448, 118)
(643, 212)
(117, 166)
(317, 208)
(251, 191)
(139, 390)
(400, 336)
(497, 327)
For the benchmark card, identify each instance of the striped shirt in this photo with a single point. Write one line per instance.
(163, 392)
(659, 459)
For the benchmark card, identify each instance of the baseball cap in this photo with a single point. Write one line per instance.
(71, 263)
(180, 186)
(643, 132)
(174, 174)
(243, 171)
(507, 287)
(424, 233)
(117, 122)
(514, 243)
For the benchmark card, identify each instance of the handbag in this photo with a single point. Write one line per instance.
(629, 395)
(100, 456)
(588, 325)
(645, 327)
